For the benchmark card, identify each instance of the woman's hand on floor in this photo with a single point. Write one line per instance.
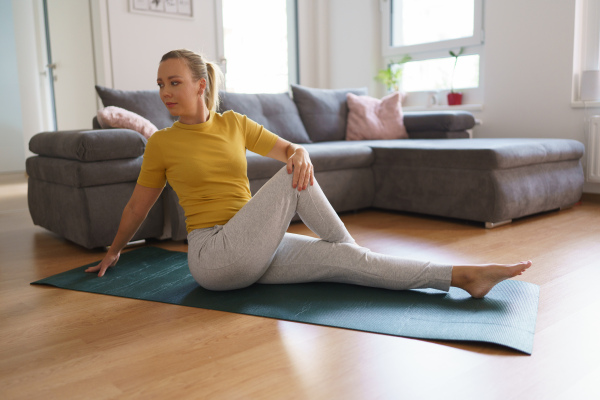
(110, 260)
(302, 166)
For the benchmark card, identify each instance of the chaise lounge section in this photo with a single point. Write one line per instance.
(80, 181)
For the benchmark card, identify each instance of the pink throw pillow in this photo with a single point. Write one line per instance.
(370, 118)
(116, 117)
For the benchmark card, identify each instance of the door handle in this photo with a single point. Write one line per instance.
(51, 66)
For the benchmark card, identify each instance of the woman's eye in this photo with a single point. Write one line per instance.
(160, 85)
(174, 83)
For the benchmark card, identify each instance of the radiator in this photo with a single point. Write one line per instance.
(593, 150)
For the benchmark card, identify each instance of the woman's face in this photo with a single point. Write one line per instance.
(178, 91)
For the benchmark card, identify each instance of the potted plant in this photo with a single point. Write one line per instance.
(455, 98)
(392, 75)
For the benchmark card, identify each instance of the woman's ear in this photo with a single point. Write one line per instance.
(201, 86)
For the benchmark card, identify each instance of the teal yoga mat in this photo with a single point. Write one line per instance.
(506, 316)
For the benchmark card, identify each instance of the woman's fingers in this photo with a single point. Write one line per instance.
(108, 261)
(301, 176)
(93, 269)
(303, 171)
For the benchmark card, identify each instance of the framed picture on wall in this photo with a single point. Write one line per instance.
(162, 8)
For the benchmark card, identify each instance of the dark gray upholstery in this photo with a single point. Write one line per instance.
(491, 195)
(146, 103)
(418, 121)
(475, 153)
(88, 216)
(78, 174)
(276, 112)
(92, 145)
(331, 156)
(324, 112)
(438, 135)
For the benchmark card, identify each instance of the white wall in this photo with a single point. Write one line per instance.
(12, 152)
(355, 46)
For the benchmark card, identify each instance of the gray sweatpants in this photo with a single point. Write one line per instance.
(254, 247)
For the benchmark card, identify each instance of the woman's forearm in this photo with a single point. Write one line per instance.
(129, 225)
(136, 210)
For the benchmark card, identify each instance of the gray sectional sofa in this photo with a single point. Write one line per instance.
(80, 181)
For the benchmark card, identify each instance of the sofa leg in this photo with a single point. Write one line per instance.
(490, 225)
(567, 207)
(132, 243)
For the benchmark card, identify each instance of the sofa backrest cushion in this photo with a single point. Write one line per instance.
(276, 112)
(146, 103)
(324, 112)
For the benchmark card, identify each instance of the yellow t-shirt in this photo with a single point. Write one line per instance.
(206, 165)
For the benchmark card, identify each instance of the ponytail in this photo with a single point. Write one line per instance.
(215, 79)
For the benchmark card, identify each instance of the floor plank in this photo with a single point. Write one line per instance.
(64, 344)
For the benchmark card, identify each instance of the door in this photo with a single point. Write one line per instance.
(71, 62)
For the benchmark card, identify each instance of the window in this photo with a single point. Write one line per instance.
(586, 56)
(259, 45)
(421, 25)
(436, 74)
(427, 30)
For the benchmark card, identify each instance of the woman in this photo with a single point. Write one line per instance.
(236, 240)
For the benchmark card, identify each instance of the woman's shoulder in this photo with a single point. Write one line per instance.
(230, 115)
(158, 135)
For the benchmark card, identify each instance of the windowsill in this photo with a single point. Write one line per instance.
(585, 104)
(462, 107)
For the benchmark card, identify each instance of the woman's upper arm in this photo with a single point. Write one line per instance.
(143, 198)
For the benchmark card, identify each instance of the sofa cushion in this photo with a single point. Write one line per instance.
(77, 174)
(371, 118)
(117, 117)
(331, 156)
(419, 121)
(324, 112)
(146, 103)
(474, 154)
(92, 145)
(276, 112)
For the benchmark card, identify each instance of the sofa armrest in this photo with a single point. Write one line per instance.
(89, 145)
(423, 121)
(439, 135)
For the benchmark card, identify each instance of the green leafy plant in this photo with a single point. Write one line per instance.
(392, 75)
(455, 55)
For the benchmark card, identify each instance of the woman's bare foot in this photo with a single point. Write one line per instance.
(478, 280)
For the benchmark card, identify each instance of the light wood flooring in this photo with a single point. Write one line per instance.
(61, 344)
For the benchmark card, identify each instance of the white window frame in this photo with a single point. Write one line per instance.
(389, 50)
(586, 49)
(427, 51)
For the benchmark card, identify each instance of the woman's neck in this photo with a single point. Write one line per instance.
(201, 116)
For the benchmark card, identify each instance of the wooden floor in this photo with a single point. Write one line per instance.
(61, 344)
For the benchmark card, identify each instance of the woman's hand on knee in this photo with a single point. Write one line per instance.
(302, 167)
(110, 260)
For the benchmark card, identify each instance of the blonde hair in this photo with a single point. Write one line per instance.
(201, 69)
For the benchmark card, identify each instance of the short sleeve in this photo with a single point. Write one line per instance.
(153, 173)
(258, 139)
